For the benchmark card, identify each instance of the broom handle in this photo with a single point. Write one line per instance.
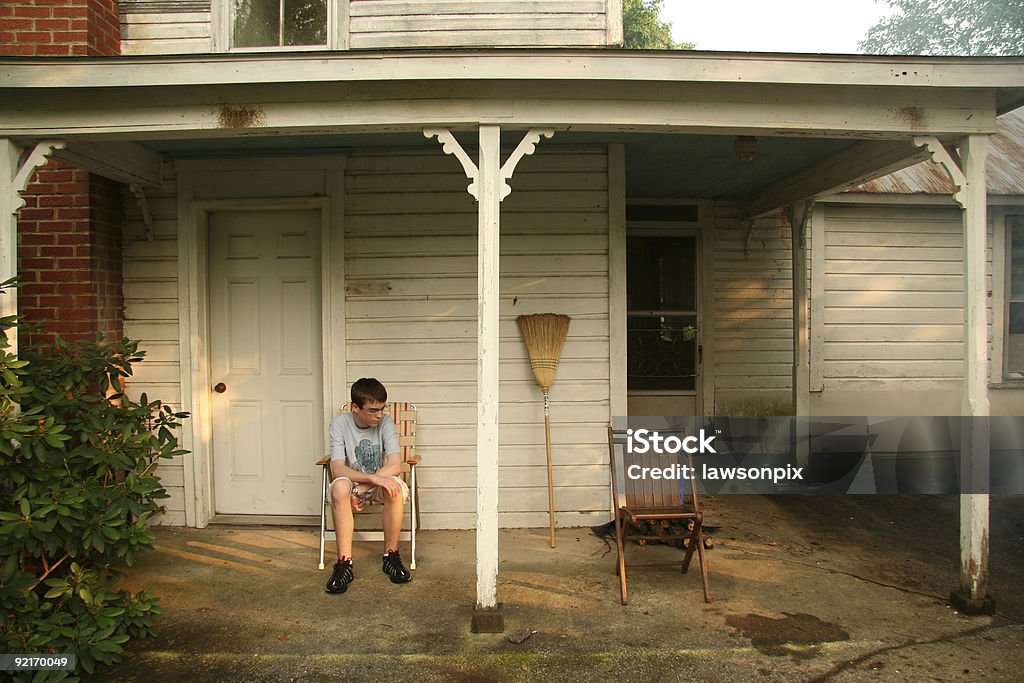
(551, 490)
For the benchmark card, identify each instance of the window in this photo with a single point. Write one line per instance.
(1014, 346)
(661, 310)
(279, 23)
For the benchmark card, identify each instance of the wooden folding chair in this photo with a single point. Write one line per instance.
(404, 415)
(643, 499)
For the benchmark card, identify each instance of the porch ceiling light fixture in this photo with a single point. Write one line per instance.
(746, 147)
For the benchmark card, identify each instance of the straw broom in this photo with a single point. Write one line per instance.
(544, 334)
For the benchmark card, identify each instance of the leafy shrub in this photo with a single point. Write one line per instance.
(77, 491)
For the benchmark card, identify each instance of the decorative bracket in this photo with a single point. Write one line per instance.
(527, 146)
(36, 158)
(147, 215)
(950, 160)
(451, 146)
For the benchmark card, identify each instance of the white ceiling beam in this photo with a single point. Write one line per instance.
(557, 65)
(307, 110)
(124, 162)
(865, 161)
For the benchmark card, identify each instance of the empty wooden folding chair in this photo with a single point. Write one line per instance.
(640, 499)
(404, 415)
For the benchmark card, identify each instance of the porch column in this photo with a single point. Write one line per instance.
(972, 596)
(9, 205)
(489, 186)
(487, 375)
(799, 215)
(967, 170)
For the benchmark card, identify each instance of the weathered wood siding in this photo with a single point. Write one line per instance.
(410, 280)
(753, 301)
(476, 23)
(893, 309)
(151, 316)
(151, 27)
(410, 270)
(890, 340)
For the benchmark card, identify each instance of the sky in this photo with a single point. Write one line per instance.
(827, 26)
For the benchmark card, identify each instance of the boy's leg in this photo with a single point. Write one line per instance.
(394, 507)
(341, 511)
(394, 510)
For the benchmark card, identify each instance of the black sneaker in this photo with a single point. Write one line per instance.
(341, 578)
(394, 568)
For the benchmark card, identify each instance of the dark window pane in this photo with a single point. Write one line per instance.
(661, 273)
(258, 23)
(662, 352)
(1017, 259)
(1015, 311)
(662, 214)
(305, 22)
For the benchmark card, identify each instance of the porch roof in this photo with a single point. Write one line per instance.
(824, 122)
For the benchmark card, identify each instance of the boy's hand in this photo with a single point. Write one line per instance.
(389, 484)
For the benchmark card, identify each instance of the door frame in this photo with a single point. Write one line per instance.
(703, 230)
(193, 306)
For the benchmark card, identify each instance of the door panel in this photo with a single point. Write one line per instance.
(265, 348)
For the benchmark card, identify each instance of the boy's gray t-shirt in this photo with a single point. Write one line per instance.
(362, 449)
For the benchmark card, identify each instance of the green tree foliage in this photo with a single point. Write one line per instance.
(949, 27)
(77, 490)
(643, 28)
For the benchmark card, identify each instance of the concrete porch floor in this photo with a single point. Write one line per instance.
(836, 588)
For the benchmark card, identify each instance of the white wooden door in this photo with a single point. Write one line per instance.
(266, 361)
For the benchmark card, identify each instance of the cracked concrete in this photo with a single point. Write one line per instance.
(826, 588)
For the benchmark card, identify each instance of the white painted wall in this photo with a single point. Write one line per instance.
(410, 234)
(753, 335)
(190, 27)
(164, 33)
(890, 338)
(410, 316)
(151, 316)
(482, 23)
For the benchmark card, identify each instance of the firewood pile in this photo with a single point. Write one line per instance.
(665, 531)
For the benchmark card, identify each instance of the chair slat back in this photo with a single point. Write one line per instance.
(643, 491)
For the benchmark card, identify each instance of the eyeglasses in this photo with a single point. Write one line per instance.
(376, 411)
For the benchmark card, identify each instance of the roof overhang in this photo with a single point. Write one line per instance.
(877, 104)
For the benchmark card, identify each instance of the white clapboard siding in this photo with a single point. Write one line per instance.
(150, 27)
(170, 31)
(151, 317)
(481, 23)
(753, 286)
(410, 279)
(893, 309)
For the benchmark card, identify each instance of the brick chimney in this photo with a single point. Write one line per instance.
(69, 232)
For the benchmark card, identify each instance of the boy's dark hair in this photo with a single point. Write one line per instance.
(368, 389)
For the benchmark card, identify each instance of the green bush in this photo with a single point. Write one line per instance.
(77, 490)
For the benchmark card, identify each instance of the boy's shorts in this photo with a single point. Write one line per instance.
(373, 494)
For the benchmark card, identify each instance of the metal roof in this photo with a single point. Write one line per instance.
(1004, 169)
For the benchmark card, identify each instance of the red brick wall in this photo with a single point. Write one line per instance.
(69, 232)
(60, 28)
(69, 257)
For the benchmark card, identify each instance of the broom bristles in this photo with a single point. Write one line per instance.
(544, 334)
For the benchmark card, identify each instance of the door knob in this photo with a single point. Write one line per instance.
(220, 387)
